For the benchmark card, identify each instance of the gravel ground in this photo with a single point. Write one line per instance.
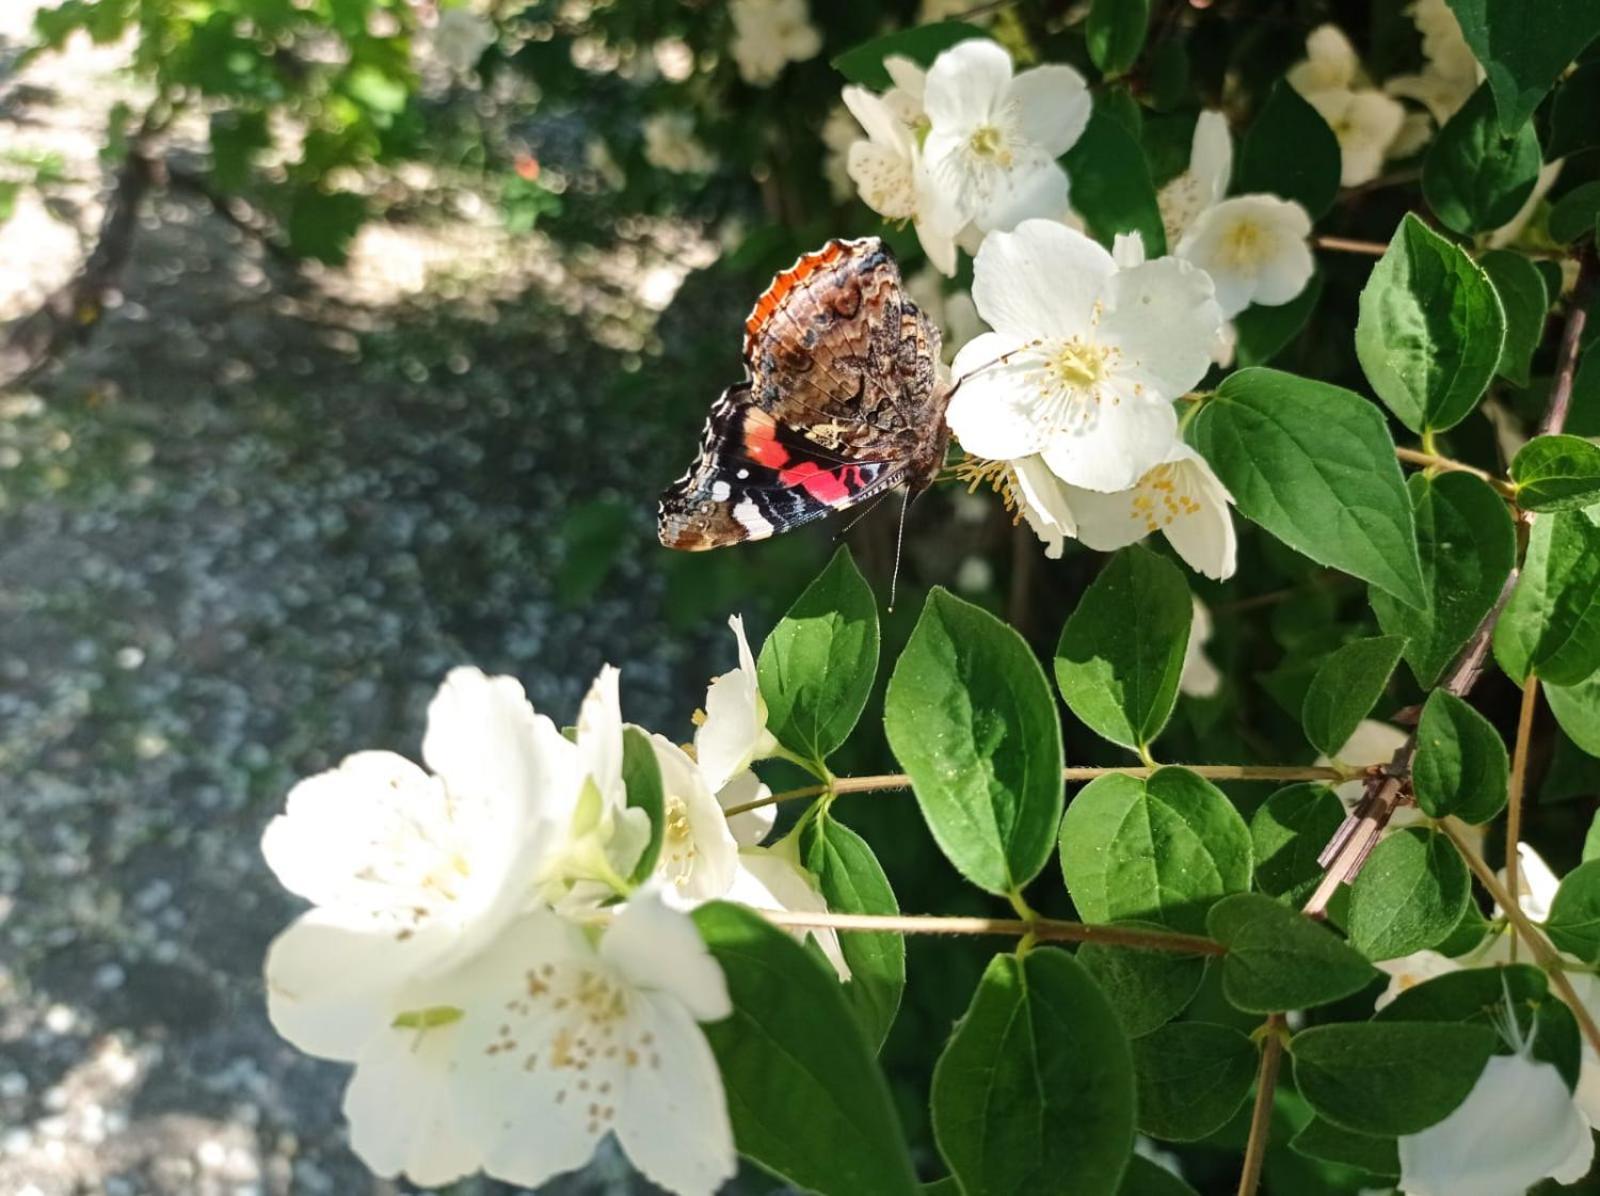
(243, 532)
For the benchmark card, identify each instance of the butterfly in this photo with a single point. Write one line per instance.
(842, 402)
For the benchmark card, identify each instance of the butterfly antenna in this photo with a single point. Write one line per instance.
(899, 543)
(865, 511)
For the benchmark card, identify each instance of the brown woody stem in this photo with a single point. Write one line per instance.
(1255, 1149)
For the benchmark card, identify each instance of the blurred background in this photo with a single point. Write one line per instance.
(344, 341)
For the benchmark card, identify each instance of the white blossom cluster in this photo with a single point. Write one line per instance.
(481, 947)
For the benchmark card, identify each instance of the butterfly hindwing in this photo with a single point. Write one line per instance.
(755, 477)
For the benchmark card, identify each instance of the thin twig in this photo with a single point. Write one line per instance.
(1450, 464)
(1549, 958)
(1211, 772)
(1555, 416)
(1347, 245)
(1519, 780)
(1255, 1149)
(1043, 929)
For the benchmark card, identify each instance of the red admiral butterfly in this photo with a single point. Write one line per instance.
(842, 402)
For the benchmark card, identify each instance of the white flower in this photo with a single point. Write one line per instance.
(1451, 73)
(734, 733)
(670, 144)
(1181, 498)
(1408, 971)
(1086, 357)
(1254, 247)
(774, 878)
(770, 34)
(1518, 1125)
(1030, 491)
(1365, 121)
(1204, 183)
(412, 874)
(523, 1060)
(459, 38)
(890, 176)
(1200, 678)
(993, 138)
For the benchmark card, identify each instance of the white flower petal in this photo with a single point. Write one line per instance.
(1372, 742)
(966, 85)
(672, 1120)
(1045, 504)
(1199, 678)
(1125, 440)
(772, 878)
(907, 76)
(1127, 250)
(1254, 247)
(1201, 529)
(658, 948)
(878, 120)
(698, 852)
(1039, 193)
(752, 826)
(600, 737)
(1211, 156)
(991, 411)
(1163, 317)
(1052, 107)
(1042, 280)
(1411, 970)
(404, 1119)
(735, 729)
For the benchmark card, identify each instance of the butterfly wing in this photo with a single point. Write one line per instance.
(754, 478)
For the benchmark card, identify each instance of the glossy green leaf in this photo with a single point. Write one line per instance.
(923, 44)
(1574, 214)
(818, 665)
(1467, 544)
(1525, 302)
(1289, 831)
(1115, 32)
(1279, 959)
(1574, 921)
(1111, 187)
(972, 720)
(1522, 53)
(1409, 896)
(1572, 123)
(1319, 1139)
(1262, 332)
(1476, 176)
(1460, 766)
(641, 777)
(1035, 1090)
(1146, 988)
(805, 1094)
(1192, 1078)
(1121, 651)
(1346, 686)
(1163, 848)
(852, 882)
(1557, 473)
(1480, 996)
(1389, 1078)
(1286, 448)
(1144, 1178)
(1430, 329)
(1289, 150)
(1551, 625)
(1577, 709)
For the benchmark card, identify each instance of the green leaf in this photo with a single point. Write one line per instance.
(1144, 1178)
(1287, 448)
(1289, 831)
(1147, 989)
(852, 882)
(1551, 625)
(1319, 1139)
(1574, 214)
(641, 777)
(1115, 32)
(1111, 187)
(1121, 651)
(1468, 545)
(1574, 921)
(1577, 709)
(1192, 1079)
(1572, 124)
(1289, 150)
(1524, 56)
(1475, 176)
(1430, 329)
(1479, 996)
(1525, 302)
(1389, 1078)
(321, 224)
(1263, 332)
(818, 664)
(1163, 848)
(1460, 765)
(1409, 896)
(1278, 959)
(864, 63)
(805, 1095)
(1035, 1090)
(971, 719)
(1557, 473)
(1348, 682)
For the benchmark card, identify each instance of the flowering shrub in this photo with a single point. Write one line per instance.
(1145, 228)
